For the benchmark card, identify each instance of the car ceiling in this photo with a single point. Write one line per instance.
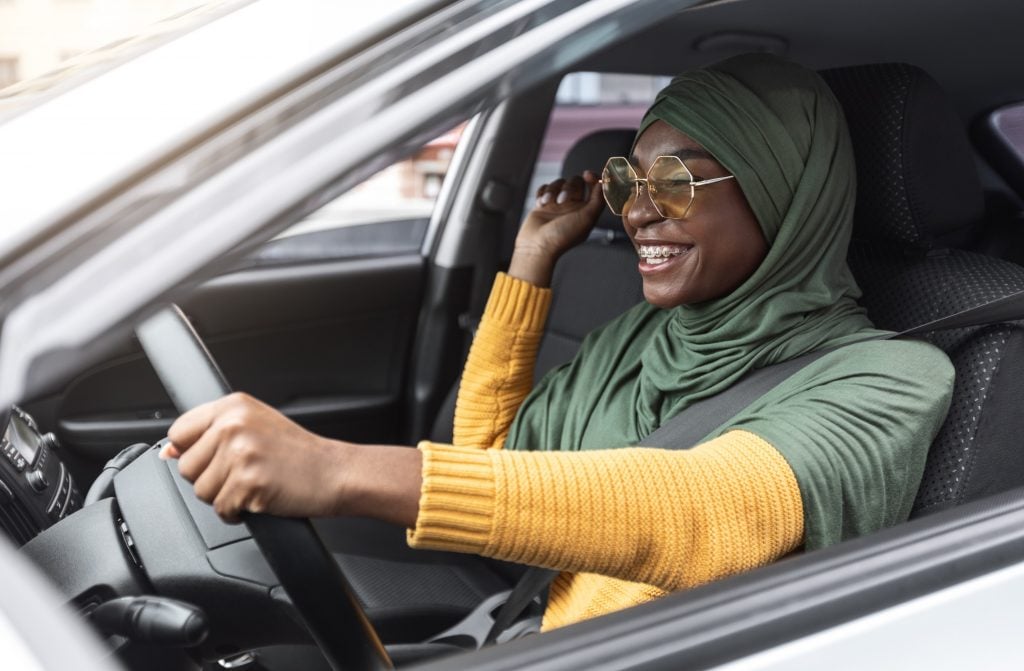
(972, 48)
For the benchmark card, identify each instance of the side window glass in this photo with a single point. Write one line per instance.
(587, 102)
(386, 215)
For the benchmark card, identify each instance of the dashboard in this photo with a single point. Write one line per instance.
(36, 488)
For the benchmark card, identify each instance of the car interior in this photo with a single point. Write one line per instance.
(359, 332)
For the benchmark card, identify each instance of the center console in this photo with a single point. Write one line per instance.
(36, 488)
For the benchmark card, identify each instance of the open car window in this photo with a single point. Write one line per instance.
(387, 214)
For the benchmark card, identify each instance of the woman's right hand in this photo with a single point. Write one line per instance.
(563, 217)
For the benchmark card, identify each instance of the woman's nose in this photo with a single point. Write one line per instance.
(642, 212)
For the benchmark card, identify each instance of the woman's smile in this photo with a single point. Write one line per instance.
(711, 250)
(658, 257)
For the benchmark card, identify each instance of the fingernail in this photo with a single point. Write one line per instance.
(545, 199)
(562, 197)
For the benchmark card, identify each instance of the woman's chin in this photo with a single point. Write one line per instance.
(659, 297)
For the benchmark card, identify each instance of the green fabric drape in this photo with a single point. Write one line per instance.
(777, 127)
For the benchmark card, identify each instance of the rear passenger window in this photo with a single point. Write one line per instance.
(386, 215)
(589, 102)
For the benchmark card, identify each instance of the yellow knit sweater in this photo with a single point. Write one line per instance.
(624, 526)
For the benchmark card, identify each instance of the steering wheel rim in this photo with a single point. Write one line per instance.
(323, 597)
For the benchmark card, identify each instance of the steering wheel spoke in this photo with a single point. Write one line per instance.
(305, 568)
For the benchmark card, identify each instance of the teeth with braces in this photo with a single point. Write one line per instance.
(659, 253)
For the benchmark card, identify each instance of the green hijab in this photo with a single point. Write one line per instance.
(780, 131)
(777, 127)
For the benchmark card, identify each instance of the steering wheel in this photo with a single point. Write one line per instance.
(305, 568)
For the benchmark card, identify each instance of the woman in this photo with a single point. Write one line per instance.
(748, 272)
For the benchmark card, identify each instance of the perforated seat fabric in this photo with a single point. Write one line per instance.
(979, 449)
(912, 211)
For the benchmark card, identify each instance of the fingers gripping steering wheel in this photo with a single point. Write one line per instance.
(307, 572)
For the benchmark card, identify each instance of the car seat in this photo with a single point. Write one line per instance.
(919, 200)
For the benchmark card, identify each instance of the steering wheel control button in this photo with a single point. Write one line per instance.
(129, 542)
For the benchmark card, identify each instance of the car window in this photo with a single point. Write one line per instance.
(386, 215)
(587, 102)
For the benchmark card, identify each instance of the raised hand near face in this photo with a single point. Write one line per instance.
(565, 212)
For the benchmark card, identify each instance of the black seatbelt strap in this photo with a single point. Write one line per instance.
(531, 585)
(701, 418)
(704, 416)
(1006, 309)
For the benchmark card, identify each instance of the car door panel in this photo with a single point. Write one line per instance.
(326, 342)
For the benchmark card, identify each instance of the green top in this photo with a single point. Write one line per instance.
(856, 425)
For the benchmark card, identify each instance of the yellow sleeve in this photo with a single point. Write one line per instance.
(499, 370)
(668, 518)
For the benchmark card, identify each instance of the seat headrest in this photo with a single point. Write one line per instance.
(590, 153)
(916, 180)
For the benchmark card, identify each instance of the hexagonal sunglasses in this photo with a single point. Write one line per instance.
(669, 183)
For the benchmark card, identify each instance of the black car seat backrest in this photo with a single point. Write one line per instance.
(593, 282)
(918, 199)
(598, 280)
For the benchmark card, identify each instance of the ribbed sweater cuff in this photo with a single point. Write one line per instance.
(456, 501)
(518, 303)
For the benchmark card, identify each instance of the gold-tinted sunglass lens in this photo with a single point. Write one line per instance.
(619, 183)
(670, 185)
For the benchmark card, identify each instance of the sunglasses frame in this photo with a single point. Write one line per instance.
(652, 193)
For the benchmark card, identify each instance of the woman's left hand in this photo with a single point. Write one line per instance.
(243, 455)
(565, 213)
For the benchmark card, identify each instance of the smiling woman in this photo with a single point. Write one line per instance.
(835, 451)
(716, 244)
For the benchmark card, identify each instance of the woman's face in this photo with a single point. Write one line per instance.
(713, 249)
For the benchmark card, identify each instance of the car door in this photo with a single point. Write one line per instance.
(318, 322)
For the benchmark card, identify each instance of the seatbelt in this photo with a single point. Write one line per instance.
(531, 585)
(684, 430)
